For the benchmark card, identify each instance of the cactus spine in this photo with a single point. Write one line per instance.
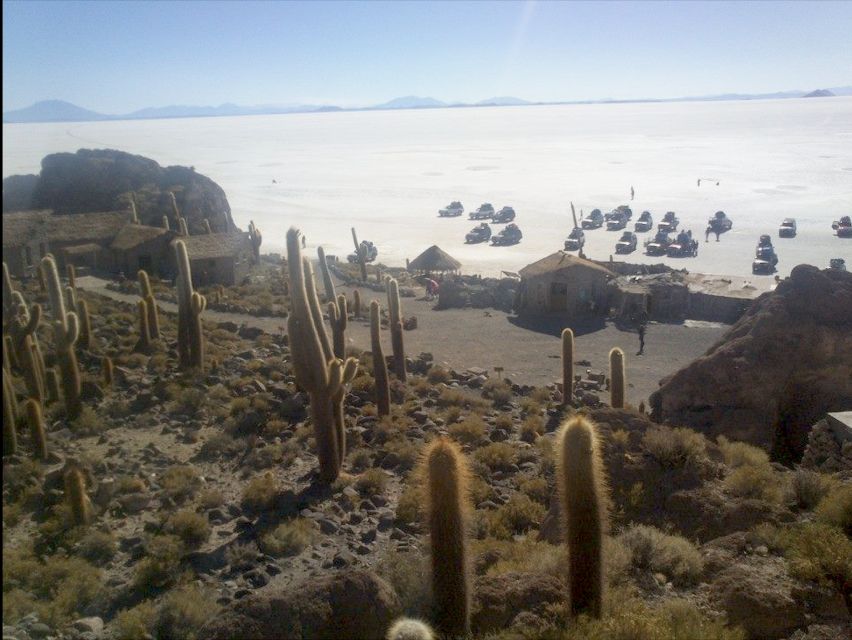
(380, 366)
(617, 378)
(66, 331)
(362, 259)
(51, 384)
(338, 318)
(256, 237)
(147, 294)
(326, 276)
(85, 340)
(395, 312)
(447, 509)
(567, 367)
(190, 307)
(10, 416)
(36, 424)
(410, 629)
(318, 372)
(107, 370)
(356, 303)
(75, 495)
(582, 491)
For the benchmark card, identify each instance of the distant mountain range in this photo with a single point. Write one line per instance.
(60, 111)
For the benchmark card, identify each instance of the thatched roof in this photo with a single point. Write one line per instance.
(22, 226)
(132, 235)
(86, 227)
(560, 261)
(217, 245)
(434, 259)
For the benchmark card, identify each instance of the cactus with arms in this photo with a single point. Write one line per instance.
(190, 307)
(338, 318)
(66, 331)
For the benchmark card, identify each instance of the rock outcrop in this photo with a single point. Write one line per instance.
(104, 179)
(346, 604)
(778, 370)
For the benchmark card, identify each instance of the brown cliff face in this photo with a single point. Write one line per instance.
(777, 371)
(103, 179)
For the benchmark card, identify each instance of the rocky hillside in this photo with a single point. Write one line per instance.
(776, 372)
(104, 179)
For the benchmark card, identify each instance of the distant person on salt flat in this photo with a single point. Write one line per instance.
(632, 193)
(699, 182)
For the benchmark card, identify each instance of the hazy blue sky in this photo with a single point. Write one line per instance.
(116, 57)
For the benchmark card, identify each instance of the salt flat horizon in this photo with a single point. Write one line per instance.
(388, 173)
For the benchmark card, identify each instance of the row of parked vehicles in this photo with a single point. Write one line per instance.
(482, 232)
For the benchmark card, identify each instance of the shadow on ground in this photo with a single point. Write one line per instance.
(554, 325)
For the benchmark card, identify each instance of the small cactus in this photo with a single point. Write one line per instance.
(256, 238)
(395, 313)
(207, 227)
(10, 416)
(338, 318)
(145, 289)
(362, 259)
(567, 367)
(617, 378)
(143, 345)
(380, 366)
(410, 629)
(85, 340)
(356, 303)
(134, 215)
(583, 495)
(166, 223)
(37, 432)
(71, 295)
(447, 508)
(327, 282)
(75, 495)
(182, 228)
(153, 317)
(107, 370)
(71, 273)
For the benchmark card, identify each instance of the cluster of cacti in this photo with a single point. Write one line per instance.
(35, 421)
(380, 366)
(66, 331)
(338, 318)
(22, 344)
(362, 259)
(10, 416)
(147, 294)
(256, 238)
(318, 372)
(447, 508)
(617, 381)
(75, 495)
(567, 367)
(583, 498)
(191, 304)
(395, 316)
(327, 282)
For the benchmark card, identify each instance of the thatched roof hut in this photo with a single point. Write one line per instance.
(434, 259)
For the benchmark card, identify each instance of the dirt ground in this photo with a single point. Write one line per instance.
(529, 352)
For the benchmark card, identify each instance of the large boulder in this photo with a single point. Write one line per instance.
(346, 604)
(777, 371)
(103, 179)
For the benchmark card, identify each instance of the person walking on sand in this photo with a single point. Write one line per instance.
(641, 327)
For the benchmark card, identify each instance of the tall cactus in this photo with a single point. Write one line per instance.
(395, 313)
(71, 273)
(37, 432)
(339, 319)
(134, 215)
(380, 366)
(359, 252)
(166, 223)
(9, 307)
(23, 344)
(356, 303)
(256, 238)
(207, 228)
(107, 371)
(617, 378)
(147, 294)
(317, 371)
(8, 363)
(71, 296)
(85, 341)
(448, 508)
(567, 367)
(183, 229)
(327, 282)
(143, 345)
(66, 331)
(51, 385)
(582, 491)
(10, 416)
(75, 495)
(31, 370)
(190, 307)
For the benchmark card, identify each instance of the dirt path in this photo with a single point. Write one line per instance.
(529, 354)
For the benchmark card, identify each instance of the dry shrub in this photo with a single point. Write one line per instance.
(517, 516)
(260, 493)
(372, 482)
(759, 481)
(180, 482)
(184, 611)
(438, 375)
(289, 538)
(470, 431)
(809, 487)
(836, 508)
(161, 565)
(658, 552)
(497, 456)
(531, 428)
(192, 528)
(676, 448)
(738, 454)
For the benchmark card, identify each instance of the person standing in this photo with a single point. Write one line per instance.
(632, 193)
(641, 327)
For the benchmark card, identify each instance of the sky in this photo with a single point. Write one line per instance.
(116, 57)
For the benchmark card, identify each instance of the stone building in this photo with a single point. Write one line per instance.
(218, 258)
(565, 284)
(83, 239)
(141, 247)
(25, 240)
